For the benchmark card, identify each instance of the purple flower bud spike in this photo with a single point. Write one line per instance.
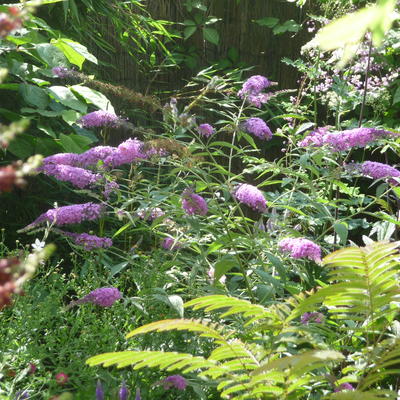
(123, 393)
(99, 391)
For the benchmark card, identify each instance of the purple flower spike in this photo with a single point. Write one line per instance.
(205, 130)
(257, 127)
(251, 196)
(103, 297)
(89, 242)
(127, 152)
(94, 155)
(378, 170)
(79, 177)
(98, 119)
(193, 204)
(71, 159)
(254, 85)
(99, 391)
(344, 386)
(123, 393)
(344, 140)
(69, 215)
(252, 89)
(301, 248)
(177, 381)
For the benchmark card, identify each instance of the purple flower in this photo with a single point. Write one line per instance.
(254, 85)
(110, 187)
(103, 297)
(193, 204)
(315, 138)
(344, 386)
(123, 392)
(127, 152)
(98, 119)
(301, 248)
(94, 155)
(344, 140)
(170, 244)
(150, 214)
(79, 177)
(257, 127)
(176, 381)
(99, 391)
(205, 130)
(61, 72)
(89, 242)
(316, 317)
(378, 170)
(251, 196)
(69, 214)
(62, 158)
(258, 99)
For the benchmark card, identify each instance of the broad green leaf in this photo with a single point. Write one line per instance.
(189, 31)
(51, 55)
(23, 146)
(270, 22)
(94, 97)
(224, 265)
(211, 35)
(74, 143)
(75, 52)
(34, 96)
(341, 228)
(177, 304)
(70, 116)
(67, 98)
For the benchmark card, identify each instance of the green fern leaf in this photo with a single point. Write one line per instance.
(233, 306)
(301, 363)
(146, 359)
(363, 283)
(359, 395)
(205, 330)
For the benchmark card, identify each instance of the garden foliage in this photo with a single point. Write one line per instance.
(257, 226)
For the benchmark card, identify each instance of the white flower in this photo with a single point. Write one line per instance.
(38, 245)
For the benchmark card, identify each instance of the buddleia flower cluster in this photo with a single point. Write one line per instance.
(343, 140)
(301, 248)
(252, 90)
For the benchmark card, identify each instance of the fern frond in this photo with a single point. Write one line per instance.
(206, 330)
(385, 363)
(146, 359)
(359, 395)
(301, 363)
(363, 283)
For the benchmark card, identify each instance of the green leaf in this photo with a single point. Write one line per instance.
(74, 143)
(223, 266)
(94, 97)
(70, 116)
(287, 26)
(51, 55)
(189, 31)
(67, 98)
(177, 304)
(341, 228)
(23, 146)
(211, 35)
(75, 52)
(34, 96)
(348, 31)
(269, 22)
